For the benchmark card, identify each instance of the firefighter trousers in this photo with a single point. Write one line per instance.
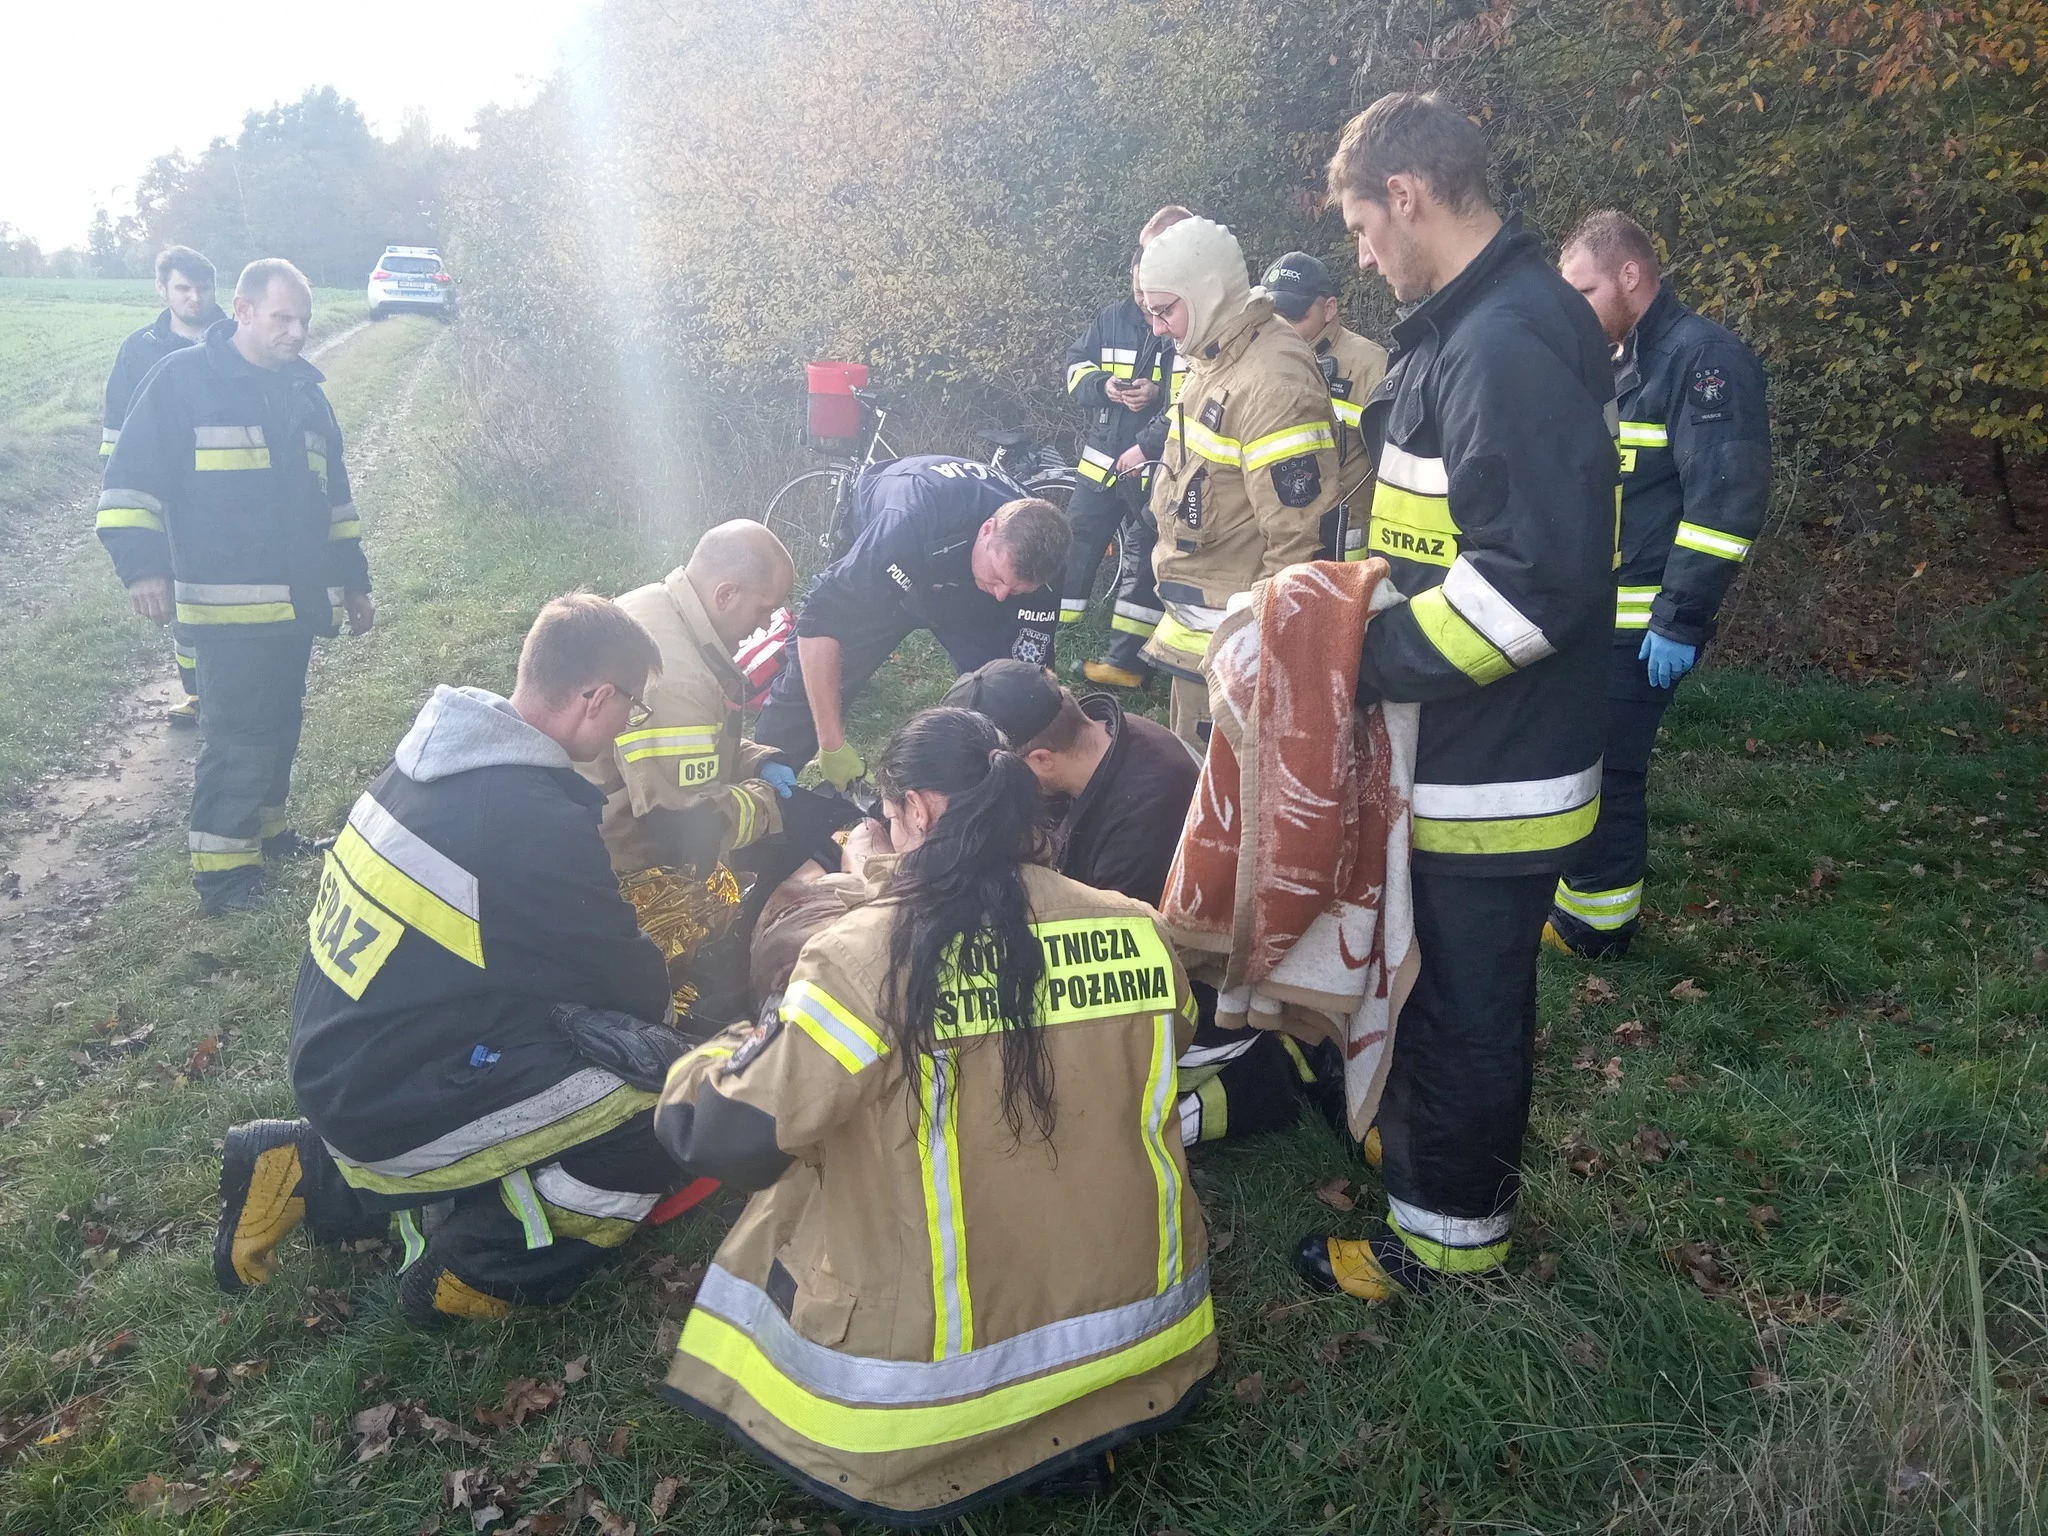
(785, 721)
(530, 1238)
(249, 734)
(1238, 1082)
(185, 662)
(1457, 1097)
(1099, 515)
(1598, 902)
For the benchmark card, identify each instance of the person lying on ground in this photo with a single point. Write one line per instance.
(473, 989)
(974, 1265)
(940, 543)
(1117, 788)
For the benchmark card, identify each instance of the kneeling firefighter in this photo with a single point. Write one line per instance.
(975, 1265)
(479, 1021)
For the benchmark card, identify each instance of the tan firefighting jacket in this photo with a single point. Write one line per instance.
(1351, 366)
(689, 751)
(1250, 468)
(922, 1312)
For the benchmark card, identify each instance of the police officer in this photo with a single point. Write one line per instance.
(1306, 297)
(1494, 505)
(941, 543)
(1118, 786)
(473, 990)
(1249, 467)
(1121, 375)
(1695, 481)
(226, 506)
(685, 759)
(185, 282)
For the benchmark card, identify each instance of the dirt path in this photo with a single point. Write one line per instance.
(76, 854)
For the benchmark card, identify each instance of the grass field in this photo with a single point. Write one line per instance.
(1779, 1268)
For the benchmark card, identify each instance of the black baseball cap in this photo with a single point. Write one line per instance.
(1021, 698)
(1296, 281)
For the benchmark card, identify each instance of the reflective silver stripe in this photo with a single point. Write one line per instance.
(1213, 1055)
(1493, 615)
(864, 1380)
(415, 1245)
(115, 496)
(316, 442)
(577, 1091)
(1073, 605)
(1451, 1231)
(1644, 434)
(212, 842)
(227, 437)
(1139, 612)
(1098, 458)
(942, 1179)
(1194, 616)
(342, 514)
(109, 435)
(517, 1190)
(1119, 354)
(1160, 1102)
(809, 1004)
(1526, 797)
(559, 1187)
(1402, 469)
(1711, 541)
(415, 857)
(1190, 1119)
(230, 592)
(1602, 910)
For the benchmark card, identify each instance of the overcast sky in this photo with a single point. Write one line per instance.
(89, 94)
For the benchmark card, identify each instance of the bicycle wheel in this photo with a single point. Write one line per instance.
(801, 513)
(1055, 486)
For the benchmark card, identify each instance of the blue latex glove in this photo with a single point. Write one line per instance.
(780, 777)
(1669, 661)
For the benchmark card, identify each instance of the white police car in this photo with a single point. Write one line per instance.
(411, 277)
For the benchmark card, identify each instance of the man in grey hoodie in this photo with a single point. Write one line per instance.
(468, 924)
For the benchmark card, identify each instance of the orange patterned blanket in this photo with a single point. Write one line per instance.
(1292, 872)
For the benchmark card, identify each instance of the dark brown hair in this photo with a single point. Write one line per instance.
(580, 640)
(1037, 535)
(1611, 237)
(1061, 731)
(1403, 134)
(182, 258)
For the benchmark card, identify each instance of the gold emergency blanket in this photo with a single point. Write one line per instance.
(680, 913)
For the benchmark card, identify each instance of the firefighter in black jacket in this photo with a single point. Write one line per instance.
(941, 543)
(1119, 785)
(467, 932)
(185, 282)
(1122, 377)
(1695, 481)
(1495, 505)
(227, 506)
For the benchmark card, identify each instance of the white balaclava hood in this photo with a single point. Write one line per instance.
(1200, 262)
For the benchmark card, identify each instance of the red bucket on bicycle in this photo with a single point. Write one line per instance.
(833, 420)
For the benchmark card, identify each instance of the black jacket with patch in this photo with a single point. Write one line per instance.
(228, 478)
(908, 567)
(1695, 470)
(1118, 344)
(141, 352)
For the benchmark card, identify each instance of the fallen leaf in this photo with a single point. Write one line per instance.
(1761, 1216)
(1650, 1144)
(201, 1381)
(240, 1475)
(1332, 1192)
(580, 1454)
(1823, 874)
(242, 1370)
(1331, 1350)
(608, 1524)
(1250, 1389)
(1583, 1158)
(576, 1370)
(1630, 1032)
(1699, 1263)
(1688, 991)
(1595, 989)
(1761, 1380)
(204, 1058)
(372, 1428)
(1285, 1309)
(664, 1495)
(524, 1398)
(94, 1354)
(615, 1447)
(1584, 1351)
(1611, 1073)
(154, 1496)
(1543, 1268)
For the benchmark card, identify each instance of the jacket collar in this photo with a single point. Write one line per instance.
(697, 623)
(1664, 312)
(1441, 310)
(220, 350)
(1236, 334)
(1326, 338)
(1109, 710)
(160, 328)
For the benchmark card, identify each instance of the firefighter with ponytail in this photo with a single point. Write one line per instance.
(974, 1264)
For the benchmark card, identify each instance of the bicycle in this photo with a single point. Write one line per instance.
(810, 512)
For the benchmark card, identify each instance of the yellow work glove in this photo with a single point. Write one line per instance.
(841, 765)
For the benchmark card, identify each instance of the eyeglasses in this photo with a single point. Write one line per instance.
(1161, 312)
(637, 714)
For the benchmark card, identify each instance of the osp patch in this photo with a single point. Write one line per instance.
(1709, 394)
(1298, 481)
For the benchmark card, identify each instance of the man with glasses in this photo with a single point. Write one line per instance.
(478, 1017)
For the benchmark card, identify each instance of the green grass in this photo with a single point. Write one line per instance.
(65, 621)
(1863, 1057)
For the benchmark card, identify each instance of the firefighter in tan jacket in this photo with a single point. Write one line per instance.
(683, 786)
(1250, 464)
(975, 1264)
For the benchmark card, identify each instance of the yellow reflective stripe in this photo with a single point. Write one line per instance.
(515, 1189)
(1160, 1080)
(1213, 446)
(415, 1244)
(1408, 525)
(318, 462)
(1142, 628)
(938, 1157)
(745, 814)
(721, 1347)
(231, 458)
(1711, 541)
(1511, 834)
(1348, 412)
(668, 741)
(1176, 636)
(842, 1035)
(1454, 637)
(1094, 473)
(1289, 442)
(598, 1231)
(408, 900)
(129, 517)
(1078, 373)
(493, 1162)
(1632, 606)
(1644, 434)
(208, 862)
(345, 530)
(1448, 1260)
(1602, 909)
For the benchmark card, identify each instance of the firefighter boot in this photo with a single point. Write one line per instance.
(1373, 1269)
(260, 1200)
(431, 1295)
(184, 714)
(1110, 675)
